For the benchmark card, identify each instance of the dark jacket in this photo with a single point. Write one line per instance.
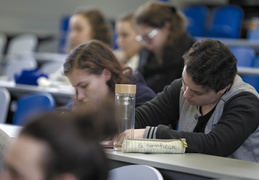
(158, 76)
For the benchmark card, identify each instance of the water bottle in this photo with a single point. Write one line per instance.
(125, 95)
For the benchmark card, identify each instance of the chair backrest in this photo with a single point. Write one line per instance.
(136, 172)
(5, 101)
(245, 55)
(3, 40)
(253, 34)
(253, 80)
(31, 105)
(18, 63)
(196, 19)
(226, 22)
(22, 44)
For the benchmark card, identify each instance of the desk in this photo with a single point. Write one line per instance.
(11, 130)
(235, 42)
(62, 94)
(192, 166)
(247, 71)
(189, 166)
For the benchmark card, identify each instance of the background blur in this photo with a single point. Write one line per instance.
(44, 17)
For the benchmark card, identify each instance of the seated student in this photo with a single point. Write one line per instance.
(217, 113)
(129, 47)
(162, 34)
(87, 24)
(93, 70)
(61, 145)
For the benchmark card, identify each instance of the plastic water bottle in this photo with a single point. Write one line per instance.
(125, 95)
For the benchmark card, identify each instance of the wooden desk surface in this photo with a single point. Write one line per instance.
(192, 163)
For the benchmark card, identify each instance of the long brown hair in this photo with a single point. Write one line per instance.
(93, 57)
(157, 14)
(101, 29)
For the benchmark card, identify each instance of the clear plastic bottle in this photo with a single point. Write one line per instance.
(125, 95)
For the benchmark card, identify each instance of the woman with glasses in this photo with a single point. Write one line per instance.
(161, 30)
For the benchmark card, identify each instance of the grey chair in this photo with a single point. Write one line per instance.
(136, 172)
(24, 44)
(5, 101)
(3, 40)
(17, 64)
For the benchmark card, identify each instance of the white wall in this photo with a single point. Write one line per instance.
(43, 16)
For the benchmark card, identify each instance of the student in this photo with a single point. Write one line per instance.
(129, 47)
(61, 145)
(216, 112)
(93, 70)
(162, 33)
(86, 24)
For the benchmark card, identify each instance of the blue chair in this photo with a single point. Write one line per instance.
(246, 58)
(245, 55)
(226, 22)
(31, 105)
(253, 34)
(252, 80)
(196, 19)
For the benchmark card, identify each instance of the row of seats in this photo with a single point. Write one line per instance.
(246, 57)
(26, 106)
(19, 54)
(223, 22)
(17, 44)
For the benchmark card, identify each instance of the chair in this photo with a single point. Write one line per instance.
(136, 172)
(226, 22)
(196, 19)
(253, 34)
(246, 58)
(245, 55)
(22, 44)
(5, 101)
(17, 64)
(3, 40)
(52, 68)
(31, 105)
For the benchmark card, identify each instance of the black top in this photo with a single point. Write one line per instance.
(159, 75)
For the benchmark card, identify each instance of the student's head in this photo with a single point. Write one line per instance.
(127, 35)
(93, 70)
(209, 71)
(87, 24)
(60, 145)
(158, 24)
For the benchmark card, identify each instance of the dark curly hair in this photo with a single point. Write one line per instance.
(211, 64)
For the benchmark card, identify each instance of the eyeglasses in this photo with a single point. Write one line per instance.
(147, 37)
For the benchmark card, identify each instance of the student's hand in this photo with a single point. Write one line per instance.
(138, 134)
